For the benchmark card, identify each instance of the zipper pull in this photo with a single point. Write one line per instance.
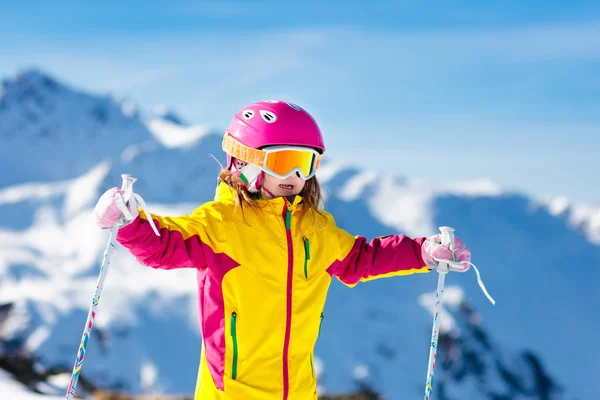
(320, 324)
(233, 318)
(306, 255)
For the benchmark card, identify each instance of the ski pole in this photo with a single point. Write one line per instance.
(127, 187)
(447, 239)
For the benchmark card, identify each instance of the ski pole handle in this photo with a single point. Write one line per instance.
(127, 186)
(448, 238)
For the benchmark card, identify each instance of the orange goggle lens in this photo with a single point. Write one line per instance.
(284, 162)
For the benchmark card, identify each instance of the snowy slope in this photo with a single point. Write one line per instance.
(584, 217)
(171, 131)
(51, 131)
(533, 259)
(533, 263)
(10, 389)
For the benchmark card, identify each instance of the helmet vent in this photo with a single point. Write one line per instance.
(268, 116)
(295, 107)
(247, 114)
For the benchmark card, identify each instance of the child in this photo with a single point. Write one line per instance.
(265, 255)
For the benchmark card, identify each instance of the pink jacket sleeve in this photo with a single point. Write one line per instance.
(184, 242)
(382, 257)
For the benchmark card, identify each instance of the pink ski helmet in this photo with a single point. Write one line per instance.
(275, 123)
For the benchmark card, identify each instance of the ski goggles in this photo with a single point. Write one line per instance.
(279, 161)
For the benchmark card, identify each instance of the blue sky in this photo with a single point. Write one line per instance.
(505, 90)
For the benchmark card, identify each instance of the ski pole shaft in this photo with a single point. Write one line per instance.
(91, 316)
(127, 187)
(447, 239)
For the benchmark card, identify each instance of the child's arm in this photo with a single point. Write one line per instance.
(184, 242)
(359, 261)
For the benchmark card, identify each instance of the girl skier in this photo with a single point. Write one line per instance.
(265, 255)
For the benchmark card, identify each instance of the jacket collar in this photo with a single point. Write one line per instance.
(225, 194)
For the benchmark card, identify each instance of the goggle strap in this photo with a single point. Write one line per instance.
(238, 150)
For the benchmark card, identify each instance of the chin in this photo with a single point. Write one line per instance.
(280, 194)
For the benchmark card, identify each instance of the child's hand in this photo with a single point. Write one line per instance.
(433, 252)
(111, 209)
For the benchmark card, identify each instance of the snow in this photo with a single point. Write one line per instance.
(173, 135)
(411, 205)
(361, 372)
(80, 193)
(558, 205)
(60, 380)
(147, 323)
(53, 132)
(452, 298)
(583, 217)
(19, 318)
(35, 340)
(129, 110)
(477, 187)
(586, 217)
(356, 186)
(163, 112)
(15, 194)
(148, 376)
(9, 389)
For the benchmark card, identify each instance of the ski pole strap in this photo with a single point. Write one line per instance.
(127, 207)
(142, 204)
(458, 265)
(481, 285)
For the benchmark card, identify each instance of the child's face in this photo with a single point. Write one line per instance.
(283, 187)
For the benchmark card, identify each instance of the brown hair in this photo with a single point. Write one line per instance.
(311, 194)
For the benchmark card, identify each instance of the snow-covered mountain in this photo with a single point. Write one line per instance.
(60, 148)
(50, 132)
(8, 386)
(584, 217)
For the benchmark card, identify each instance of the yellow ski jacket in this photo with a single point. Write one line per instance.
(263, 276)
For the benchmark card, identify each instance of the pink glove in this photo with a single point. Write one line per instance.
(111, 209)
(433, 251)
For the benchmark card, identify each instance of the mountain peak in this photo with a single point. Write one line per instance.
(167, 114)
(41, 116)
(35, 76)
(29, 82)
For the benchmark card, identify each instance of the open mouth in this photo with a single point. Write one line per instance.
(287, 187)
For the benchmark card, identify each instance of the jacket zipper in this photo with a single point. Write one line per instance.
(287, 216)
(312, 366)
(235, 345)
(306, 255)
(320, 325)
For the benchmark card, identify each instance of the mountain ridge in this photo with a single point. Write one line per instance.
(50, 251)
